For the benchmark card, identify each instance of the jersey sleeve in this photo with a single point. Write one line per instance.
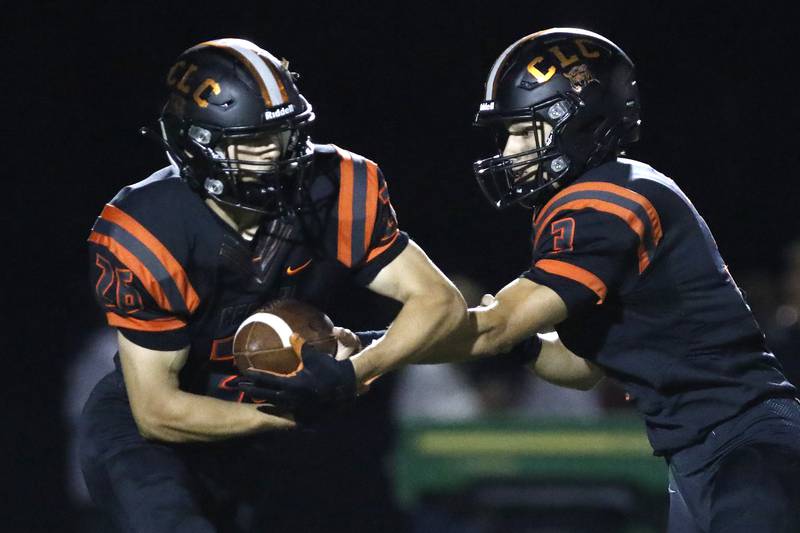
(139, 283)
(368, 237)
(591, 240)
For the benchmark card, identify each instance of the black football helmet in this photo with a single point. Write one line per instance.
(228, 91)
(579, 83)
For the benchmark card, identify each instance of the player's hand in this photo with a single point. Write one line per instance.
(348, 343)
(321, 384)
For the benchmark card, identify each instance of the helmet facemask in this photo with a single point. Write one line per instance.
(524, 176)
(229, 167)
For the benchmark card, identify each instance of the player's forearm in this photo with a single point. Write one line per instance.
(559, 366)
(493, 332)
(521, 309)
(423, 322)
(480, 335)
(185, 417)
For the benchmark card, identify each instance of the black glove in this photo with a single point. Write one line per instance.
(323, 383)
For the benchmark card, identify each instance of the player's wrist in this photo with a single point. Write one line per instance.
(365, 370)
(368, 337)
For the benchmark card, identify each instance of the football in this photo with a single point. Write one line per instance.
(262, 341)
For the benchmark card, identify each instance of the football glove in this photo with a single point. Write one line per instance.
(321, 384)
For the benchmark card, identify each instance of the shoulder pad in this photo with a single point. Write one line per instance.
(164, 181)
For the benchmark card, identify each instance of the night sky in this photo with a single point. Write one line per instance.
(398, 82)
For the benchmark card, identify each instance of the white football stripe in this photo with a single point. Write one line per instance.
(278, 325)
(259, 65)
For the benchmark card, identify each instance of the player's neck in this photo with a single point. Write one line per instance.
(245, 223)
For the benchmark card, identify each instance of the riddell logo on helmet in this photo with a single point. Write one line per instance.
(269, 115)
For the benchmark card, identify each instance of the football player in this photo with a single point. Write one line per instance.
(628, 273)
(248, 210)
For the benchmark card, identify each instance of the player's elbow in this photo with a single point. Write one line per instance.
(448, 308)
(149, 430)
(155, 422)
(590, 378)
(147, 424)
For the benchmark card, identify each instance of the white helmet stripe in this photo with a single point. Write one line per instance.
(491, 82)
(250, 54)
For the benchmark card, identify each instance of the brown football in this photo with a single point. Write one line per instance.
(262, 340)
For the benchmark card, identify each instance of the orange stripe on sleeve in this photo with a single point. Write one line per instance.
(375, 252)
(628, 216)
(575, 273)
(176, 271)
(158, 324)
(371, 201)
(345, 244)
(655, 220)
(132, 262)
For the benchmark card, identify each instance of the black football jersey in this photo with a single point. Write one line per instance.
(169, 273)
(651, 301)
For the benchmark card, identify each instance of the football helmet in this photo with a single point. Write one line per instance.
(227, 92)
(579, 84)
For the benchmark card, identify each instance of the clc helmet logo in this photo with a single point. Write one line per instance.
(184, 83)
(542, 74)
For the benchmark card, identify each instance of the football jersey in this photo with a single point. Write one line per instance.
(169, 273)
(651, 301)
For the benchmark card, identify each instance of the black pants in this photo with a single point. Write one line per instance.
(744, 477)
(277, 482)
(154, 487)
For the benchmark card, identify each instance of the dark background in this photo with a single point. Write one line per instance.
(396, 81)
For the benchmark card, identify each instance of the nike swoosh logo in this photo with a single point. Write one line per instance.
(292, 271)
